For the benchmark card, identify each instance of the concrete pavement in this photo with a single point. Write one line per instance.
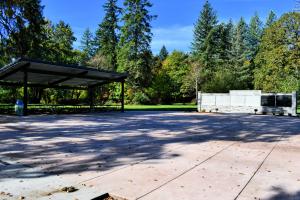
(150, 155)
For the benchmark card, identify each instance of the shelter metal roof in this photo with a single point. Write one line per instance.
(50, 75)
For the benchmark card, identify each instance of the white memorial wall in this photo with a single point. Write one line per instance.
(241, 101)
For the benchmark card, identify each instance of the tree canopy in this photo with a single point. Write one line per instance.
(278, 58)
(224, 55)
(134, 47)
(107, 36)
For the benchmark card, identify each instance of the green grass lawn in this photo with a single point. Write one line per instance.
(173, 107)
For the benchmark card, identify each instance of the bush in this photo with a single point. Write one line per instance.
(140, 98)
(222, 81)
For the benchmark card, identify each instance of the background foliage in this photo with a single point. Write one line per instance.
(223, 57)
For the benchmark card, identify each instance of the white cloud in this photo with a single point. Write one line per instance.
(174, 37)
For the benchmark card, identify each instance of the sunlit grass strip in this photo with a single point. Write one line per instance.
(173, 107)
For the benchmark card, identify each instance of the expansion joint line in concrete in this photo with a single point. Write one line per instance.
(186, 171)
(135, 163)
(259, 167)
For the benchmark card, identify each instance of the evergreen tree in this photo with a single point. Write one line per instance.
(33, 12)
(230, 27)
(107, 37)
(255, 34)
(223, 44)
(231, 32)
(216, 56)
(240, 40)
(240, 58)
(61, 39)
(87, 45)
(134, 48)
(217, 46)
(271, 19)
(63, 35)
(163, 54)
(206, 22)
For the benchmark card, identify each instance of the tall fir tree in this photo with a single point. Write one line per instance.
(135, 54)
(271, 19)
(217, 47)
(205, 23)
(107, 35)
(87, 45)
(240, 58)
(163, 53)
(254, 36)
(231, 31)
(224, 44)
(240, 41)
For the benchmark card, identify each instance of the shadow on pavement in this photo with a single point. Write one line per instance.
(68, 144)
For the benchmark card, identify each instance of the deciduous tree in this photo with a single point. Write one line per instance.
(278, 58)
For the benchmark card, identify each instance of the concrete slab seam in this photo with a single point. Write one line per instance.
(259, 167)
(186, 171)
(135, 163)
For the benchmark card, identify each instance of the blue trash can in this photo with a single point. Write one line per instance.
(19, 108)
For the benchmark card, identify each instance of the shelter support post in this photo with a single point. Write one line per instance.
(122, 95)
(91, 97)
(25, 93)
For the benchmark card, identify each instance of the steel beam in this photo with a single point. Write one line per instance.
(47, 72)
(10, 84)
(14, 71)
(66, 79)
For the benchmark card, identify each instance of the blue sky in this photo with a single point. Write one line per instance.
(174, 24)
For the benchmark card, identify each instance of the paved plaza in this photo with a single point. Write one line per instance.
(150, 155)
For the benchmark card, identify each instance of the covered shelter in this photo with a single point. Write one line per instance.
(39, 74)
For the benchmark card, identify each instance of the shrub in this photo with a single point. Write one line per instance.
(140, 98)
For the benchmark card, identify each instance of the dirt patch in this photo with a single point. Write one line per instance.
(64, 189)
(108, 197)
(5, 194)
(69, 189)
